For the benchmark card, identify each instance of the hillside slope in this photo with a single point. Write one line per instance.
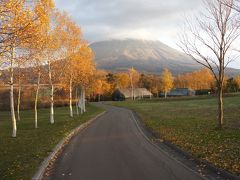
(144, 55)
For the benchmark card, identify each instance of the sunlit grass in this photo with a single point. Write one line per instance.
(191, 124)
(21, 156)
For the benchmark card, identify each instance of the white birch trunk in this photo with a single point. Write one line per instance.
(36, 100)
(19, 101)
(81, 101)
(52, 94)
(132, 88)
(132, 93)
(52, 106)
(165, 94)
(77, 100)
(84, 102)
(14, 124)
(70, 98)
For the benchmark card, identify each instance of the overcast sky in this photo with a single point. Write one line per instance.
(141, 19)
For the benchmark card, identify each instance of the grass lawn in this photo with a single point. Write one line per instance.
(191, 125)
(21, 156)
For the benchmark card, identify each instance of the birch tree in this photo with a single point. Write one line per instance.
(51, 76)
(123, 80)
(14, 124)
(20, 80)
(54, 55)
(37, 62)
(38, 71)
(71, 40)
(84, 69)
(166, 81)
(134, 78)
(76, 100)
(212, 40)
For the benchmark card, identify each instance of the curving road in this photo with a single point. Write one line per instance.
(114, 148)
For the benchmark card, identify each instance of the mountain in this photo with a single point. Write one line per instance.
(144, 55)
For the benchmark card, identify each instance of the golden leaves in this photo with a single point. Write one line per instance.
(123, 80)
(22, 21)
(166, 81)
(134, 76)
(202, 79)
(77, 56)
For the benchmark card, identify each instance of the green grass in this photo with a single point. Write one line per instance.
(191, 125)
(21, 156)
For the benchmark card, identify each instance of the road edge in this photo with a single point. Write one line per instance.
(42, 168)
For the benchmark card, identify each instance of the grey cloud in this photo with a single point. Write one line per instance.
(103, 18)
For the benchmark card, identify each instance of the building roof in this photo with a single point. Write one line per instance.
(138, 92)
(181, 92)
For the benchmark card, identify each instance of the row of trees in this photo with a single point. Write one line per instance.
(37, 38)
(197, 80)
(201, 80)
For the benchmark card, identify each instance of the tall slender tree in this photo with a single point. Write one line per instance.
(134, 78)
(166, 81)
(20, 78)
(211, 41)
(84, 70)
(71, 40)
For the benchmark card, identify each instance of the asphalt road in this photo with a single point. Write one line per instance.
(114, 148)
